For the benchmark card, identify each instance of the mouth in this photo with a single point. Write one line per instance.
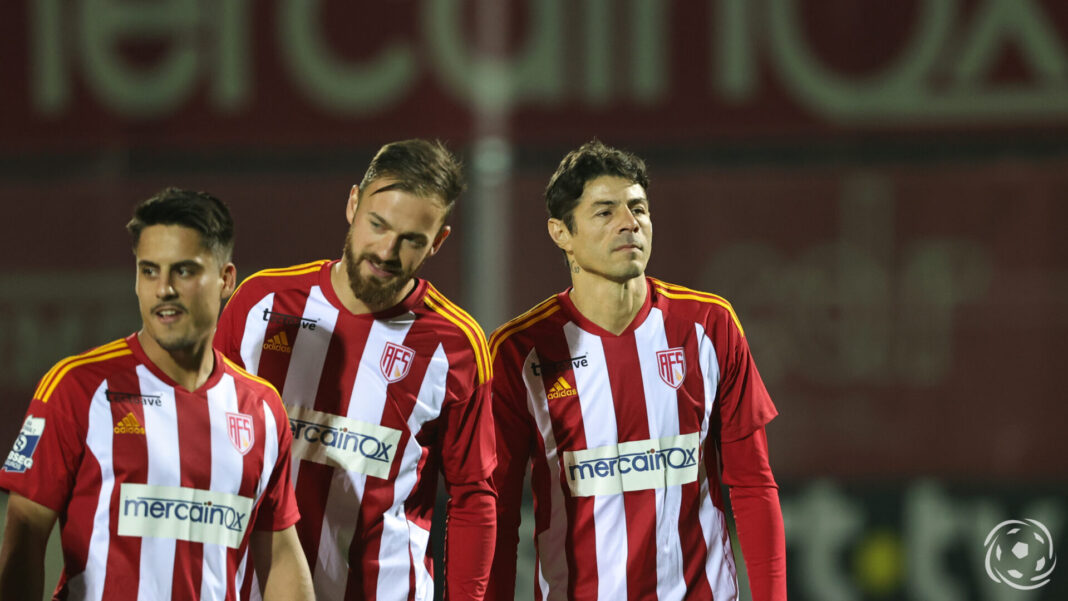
(168, 314)
(381, 270)
(625, 247)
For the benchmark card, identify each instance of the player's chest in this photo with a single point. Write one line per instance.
(164, 438)
(631, 390)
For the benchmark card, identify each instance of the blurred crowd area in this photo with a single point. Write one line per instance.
(878, 188)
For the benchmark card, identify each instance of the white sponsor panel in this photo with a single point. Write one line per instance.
(634, 465)
(342, 442)
(190, 514)
(20, 458)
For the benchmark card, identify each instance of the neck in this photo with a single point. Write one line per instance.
(610, 304)
(339, 281)
(189, 368)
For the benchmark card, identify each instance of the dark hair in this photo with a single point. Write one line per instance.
(590, 161)
(420, 167)
(199, 211)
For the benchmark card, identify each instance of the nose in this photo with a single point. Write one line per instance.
(165, 288)
(629, 222)
(386, 247)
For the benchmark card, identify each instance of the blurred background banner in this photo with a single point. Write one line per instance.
(880, 188)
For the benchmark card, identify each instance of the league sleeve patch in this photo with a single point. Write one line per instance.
(20, 458)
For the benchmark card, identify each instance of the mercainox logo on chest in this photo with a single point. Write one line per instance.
(633, 465)
(190, 514)
(342, 442)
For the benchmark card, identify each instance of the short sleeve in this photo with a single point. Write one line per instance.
(278, 506)
(45, 457)
(744, 402)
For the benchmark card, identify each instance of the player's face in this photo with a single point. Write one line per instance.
(391, 234)
(180, 287)
(612, 234)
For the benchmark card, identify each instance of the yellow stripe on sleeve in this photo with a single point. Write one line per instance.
(681, 293)
(470, 328)
(48, 377)
(539, 312)
(95, 358)
(302, 269)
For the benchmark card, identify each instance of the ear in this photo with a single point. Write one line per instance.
(353, 203)
(560, 234)
(440, 239)
(229, 277)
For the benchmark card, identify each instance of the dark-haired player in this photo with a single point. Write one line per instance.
(626, 394)
(386, 383)
(164, 462)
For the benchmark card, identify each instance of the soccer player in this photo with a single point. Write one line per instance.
(626, 394)
(386, 382)
(164, 462)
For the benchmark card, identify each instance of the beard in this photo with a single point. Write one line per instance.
(375, 294)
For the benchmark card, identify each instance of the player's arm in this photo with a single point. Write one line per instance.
(26, 529)
(281, 566)
(745, 407)
(468, 458)
(757, 514)
(513, 435)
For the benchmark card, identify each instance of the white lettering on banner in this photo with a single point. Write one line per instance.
(342, 442)
(189, 514)
(941, 70)
(634, 465)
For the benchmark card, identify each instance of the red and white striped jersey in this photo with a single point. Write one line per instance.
(621, 432)
(378, 404)
(158, 488)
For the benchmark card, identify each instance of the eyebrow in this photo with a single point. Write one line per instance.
(417, 236)
(185, 263)
(628, 202)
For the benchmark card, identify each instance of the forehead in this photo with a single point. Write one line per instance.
(170, 243)
(403, 209)
(610, 188)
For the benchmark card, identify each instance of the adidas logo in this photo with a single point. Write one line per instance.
(129, 425)
(278, 342)
(561, 389)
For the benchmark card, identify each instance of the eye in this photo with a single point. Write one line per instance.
(148, 271)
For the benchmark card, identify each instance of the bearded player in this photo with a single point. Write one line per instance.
(163, 463)
(626, 394)
(386, 382)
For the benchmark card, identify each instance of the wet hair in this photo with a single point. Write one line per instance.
(199, 211)
(590, 161)
(421, 167)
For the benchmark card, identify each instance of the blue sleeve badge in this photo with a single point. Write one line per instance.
(20, 458)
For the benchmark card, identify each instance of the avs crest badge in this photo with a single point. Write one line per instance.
(672, 366)
(241, 431)
(20, 458)
(396, 361)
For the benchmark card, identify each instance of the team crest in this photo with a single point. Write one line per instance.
(239, 428)
(672, 366)
(396, 361)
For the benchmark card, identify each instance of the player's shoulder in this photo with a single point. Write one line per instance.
(86, 369)
(457, 324)
(280, 279)
(687, 303)
(524, 324)
(246, 380)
